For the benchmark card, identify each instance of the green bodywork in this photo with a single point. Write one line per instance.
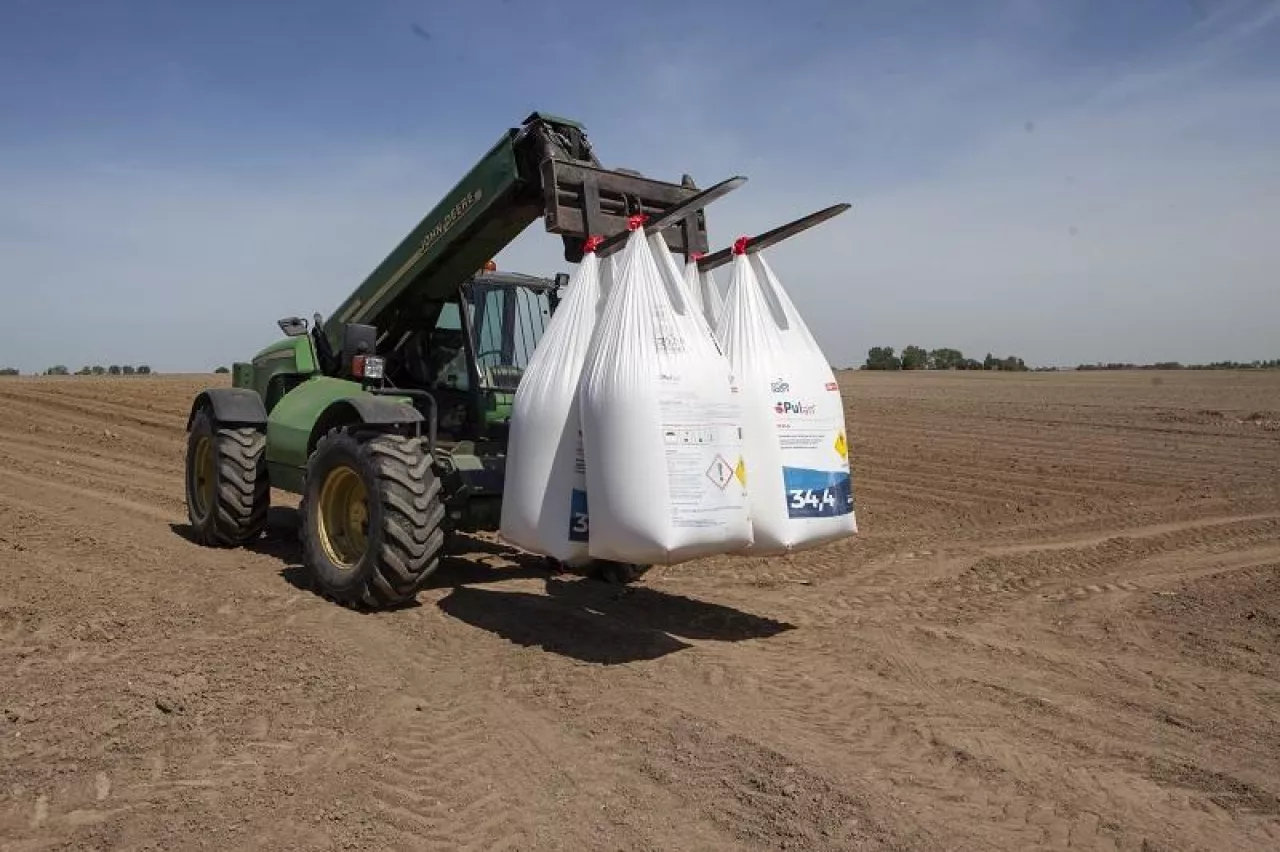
(298, 421)
(296, 396)
(275, 366)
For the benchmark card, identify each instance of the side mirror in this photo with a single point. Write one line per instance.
(293, 326)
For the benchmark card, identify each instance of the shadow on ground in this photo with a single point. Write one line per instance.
(599, 623)
(577, 617)
(280, 542)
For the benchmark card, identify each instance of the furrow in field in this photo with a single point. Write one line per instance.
(98, 409)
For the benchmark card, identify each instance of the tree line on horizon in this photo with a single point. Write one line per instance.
(99, 370)
(918, 358)
(878, 358)
(1273, 364)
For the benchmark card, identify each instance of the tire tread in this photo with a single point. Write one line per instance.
(410, 541)
(243, 496)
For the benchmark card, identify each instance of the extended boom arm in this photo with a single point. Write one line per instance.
(544, 168)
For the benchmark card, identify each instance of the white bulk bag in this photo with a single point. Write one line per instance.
(608, 274)
(660, 425)
(544, 496)
(678, 283)
(706, 295)
(793, 425)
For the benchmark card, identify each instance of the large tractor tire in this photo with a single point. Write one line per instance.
(228, 493)
(370, 518)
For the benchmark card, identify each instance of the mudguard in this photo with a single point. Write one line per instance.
(238, 406)
(369, 410)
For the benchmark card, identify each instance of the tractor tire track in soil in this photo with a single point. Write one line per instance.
(1059, 628)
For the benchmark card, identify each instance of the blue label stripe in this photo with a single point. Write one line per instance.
(579, 524)
(817, 493)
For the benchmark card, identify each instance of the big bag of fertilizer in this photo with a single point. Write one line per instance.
(674, 281)
(793, 424)
(544, 507)
(660, 425)
(706, 295)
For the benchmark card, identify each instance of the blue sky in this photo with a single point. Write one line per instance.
(1066, 181)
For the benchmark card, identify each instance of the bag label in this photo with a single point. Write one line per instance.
(703, 447)
(579, 524)
(579, 520)
(817, 493)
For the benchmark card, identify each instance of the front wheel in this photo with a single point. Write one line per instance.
(371, 516)
(227, 489)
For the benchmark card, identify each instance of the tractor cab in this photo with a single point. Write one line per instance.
(470, 350)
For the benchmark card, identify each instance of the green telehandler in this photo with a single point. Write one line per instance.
(390, 417)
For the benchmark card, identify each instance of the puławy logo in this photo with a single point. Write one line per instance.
(794, 407)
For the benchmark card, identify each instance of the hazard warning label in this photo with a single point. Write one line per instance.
(720, 472)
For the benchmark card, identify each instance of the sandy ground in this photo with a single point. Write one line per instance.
(1060, 627)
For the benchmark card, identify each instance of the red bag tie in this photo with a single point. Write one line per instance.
(740, 245)
(635, 222)
(592, 243)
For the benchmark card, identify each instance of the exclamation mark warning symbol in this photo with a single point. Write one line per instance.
(720, 473)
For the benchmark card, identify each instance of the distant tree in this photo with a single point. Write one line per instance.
(128, 370)
(914, 358)
(1013, 364)
(222, 370)
(84, 371)
(990, 362)
(59, 370)
(144, 370)
(946, 359)
(114, 369)
(99, 370)
(9, 371)
(882, 358)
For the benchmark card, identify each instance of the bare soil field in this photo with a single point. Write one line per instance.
(1058, 628)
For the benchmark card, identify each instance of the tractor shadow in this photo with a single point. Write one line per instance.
(280, 542)
(577, 616)
(596, 622)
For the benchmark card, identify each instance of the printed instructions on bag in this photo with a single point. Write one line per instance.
(704, 462)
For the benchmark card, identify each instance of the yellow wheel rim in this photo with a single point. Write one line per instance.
(202, 476)
(343, 517)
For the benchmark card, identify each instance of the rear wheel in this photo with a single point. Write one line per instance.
(371, 516)
(227, 489)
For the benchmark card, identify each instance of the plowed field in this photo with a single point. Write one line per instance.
(1060, 627)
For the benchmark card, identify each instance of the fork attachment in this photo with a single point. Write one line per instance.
(772, 237)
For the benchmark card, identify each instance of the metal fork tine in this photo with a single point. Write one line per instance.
(772, 237)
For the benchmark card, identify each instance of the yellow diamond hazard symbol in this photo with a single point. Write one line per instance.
(741, 471)
(842, 447)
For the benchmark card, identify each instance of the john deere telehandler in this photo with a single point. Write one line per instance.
(390, 418)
